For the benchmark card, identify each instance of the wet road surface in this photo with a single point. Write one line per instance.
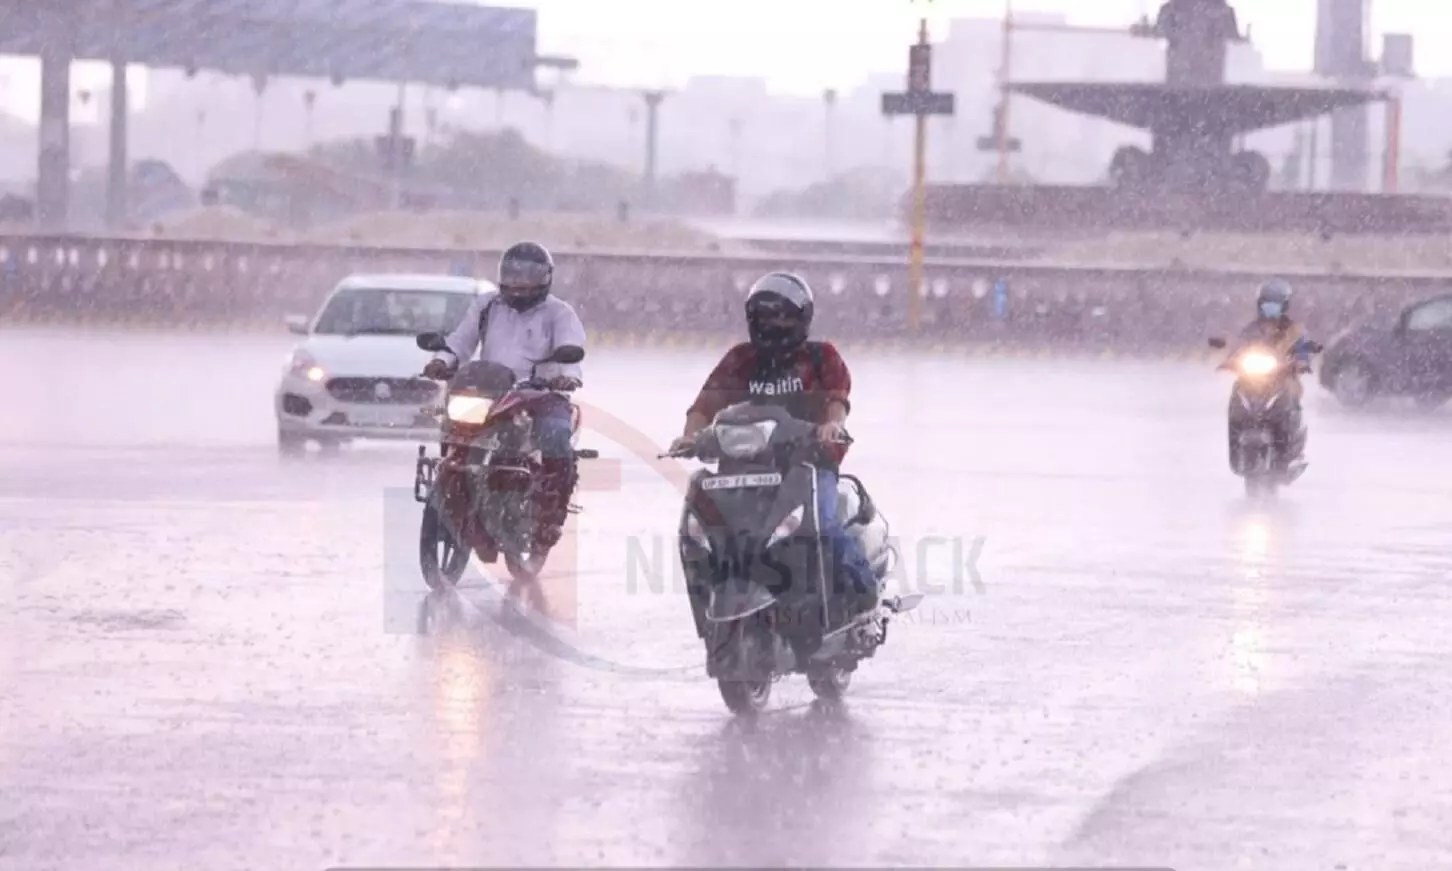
(213, 659)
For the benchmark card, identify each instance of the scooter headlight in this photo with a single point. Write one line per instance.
(469, 409)
(741, 441)
(789, 524)
(1258, 363)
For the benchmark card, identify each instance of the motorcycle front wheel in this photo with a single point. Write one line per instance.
(524, 568)
(442, 558)
(1257, 487)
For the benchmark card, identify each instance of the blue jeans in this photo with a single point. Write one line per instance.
(847, 562)
(553, 426)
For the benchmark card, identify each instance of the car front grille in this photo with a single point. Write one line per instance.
(386, 391)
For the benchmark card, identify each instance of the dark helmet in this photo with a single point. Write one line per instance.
(526, 271)
(779, 310)
(1273, 302)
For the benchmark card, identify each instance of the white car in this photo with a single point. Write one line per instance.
(357, 374)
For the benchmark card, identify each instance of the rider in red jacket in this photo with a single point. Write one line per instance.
(779, 366)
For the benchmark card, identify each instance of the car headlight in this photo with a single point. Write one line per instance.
(1256, 363)
(302, 363)
(469, 409)
(741, 441)
(789, 524)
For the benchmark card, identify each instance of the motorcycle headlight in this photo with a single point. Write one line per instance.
(742, 441)
(469, 409)
(1256, 363)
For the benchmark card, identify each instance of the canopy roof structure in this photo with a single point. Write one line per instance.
(434, 43)
(1223, 109)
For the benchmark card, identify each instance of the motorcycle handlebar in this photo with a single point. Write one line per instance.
(690, 451)
(526, 384)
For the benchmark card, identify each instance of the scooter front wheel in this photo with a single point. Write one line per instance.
(743, 697)
(829, 683)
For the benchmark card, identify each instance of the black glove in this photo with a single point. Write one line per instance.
(437, 370)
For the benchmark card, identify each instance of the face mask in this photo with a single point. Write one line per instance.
(1271, 309)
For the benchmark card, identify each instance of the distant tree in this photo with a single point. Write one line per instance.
(350, 155)
(489, 170)
(865, 194)
(1433, 179)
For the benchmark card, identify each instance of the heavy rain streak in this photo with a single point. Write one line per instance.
(1072, 488)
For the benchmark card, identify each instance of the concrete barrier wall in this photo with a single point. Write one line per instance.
(201, 285)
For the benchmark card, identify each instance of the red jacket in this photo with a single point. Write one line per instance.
(805, 384)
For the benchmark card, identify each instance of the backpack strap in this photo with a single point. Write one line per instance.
(484, 320)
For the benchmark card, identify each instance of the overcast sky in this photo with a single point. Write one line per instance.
(803, 46)
(806, 45)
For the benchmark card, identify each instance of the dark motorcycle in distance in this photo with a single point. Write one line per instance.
(1265, 430)
(478, 494)
(754, 560)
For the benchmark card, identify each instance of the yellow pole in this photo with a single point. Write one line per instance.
(1005, 59)
(920, 203)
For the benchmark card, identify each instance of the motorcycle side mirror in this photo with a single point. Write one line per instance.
(432, 342)
(1315, 347)
(1217, 342)
(566, 354)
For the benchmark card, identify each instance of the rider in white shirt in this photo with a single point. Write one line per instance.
(515, 326)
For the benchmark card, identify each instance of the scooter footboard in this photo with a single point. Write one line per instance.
(734, 599)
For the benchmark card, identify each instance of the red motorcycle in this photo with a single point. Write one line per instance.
(478, 494)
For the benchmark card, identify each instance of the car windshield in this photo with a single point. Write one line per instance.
(385, 311)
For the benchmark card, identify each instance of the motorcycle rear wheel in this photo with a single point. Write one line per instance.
(441, 557)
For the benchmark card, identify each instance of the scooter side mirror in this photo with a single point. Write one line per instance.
(1217, 342)
(432, 342)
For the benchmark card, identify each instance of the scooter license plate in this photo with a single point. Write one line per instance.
(1256, 438)
(738, 482)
